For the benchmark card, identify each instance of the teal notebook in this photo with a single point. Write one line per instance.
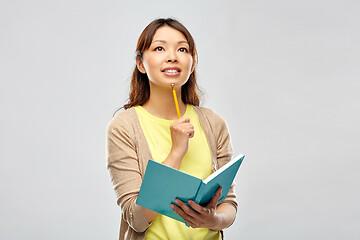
(162, 185)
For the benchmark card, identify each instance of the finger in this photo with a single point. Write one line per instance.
(182, 126)
(191, 132)
(183, 120)
(186, 126)
(199, 208)
(214, 200)
(186, 209)
(178, 211)
(188, 219)
(193, 224)
(189, 126)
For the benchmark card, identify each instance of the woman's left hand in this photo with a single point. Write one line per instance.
(203, 217)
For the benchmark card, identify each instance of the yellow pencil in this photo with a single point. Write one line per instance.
(175, 100)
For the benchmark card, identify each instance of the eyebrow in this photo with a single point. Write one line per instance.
(163, 41)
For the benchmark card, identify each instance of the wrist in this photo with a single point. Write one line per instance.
(174, 159)
(225, 216)
(177, 153)
(217, 223)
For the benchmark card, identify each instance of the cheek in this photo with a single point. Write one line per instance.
(189, 61)
(191, 64)
(151, 62)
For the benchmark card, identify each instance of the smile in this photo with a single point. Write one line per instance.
(171, 70)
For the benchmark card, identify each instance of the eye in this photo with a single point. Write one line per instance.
(183, 49)
(159, 49)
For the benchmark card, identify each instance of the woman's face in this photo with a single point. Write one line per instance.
(168, 60)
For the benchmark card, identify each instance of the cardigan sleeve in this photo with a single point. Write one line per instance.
(224, 153)
(123, 166)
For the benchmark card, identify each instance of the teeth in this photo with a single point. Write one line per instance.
(171, 70)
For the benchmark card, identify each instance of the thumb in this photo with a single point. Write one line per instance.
(214, 200)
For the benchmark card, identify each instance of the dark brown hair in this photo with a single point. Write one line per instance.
(140, 88)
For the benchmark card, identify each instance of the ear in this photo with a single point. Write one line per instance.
(140, 66)
(193, 67)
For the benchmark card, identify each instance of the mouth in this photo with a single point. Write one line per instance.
(171, 71)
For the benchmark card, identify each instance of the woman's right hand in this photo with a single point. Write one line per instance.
(181, 131)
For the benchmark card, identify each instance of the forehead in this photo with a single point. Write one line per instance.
(168, 34)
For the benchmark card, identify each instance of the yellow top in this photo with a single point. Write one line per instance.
(197, 162)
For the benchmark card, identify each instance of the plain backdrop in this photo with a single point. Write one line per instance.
(284, 75)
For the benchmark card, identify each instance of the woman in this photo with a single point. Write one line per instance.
(198, 143)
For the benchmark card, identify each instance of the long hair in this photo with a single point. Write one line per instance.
(140, 88)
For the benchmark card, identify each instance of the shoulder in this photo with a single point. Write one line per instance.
(212, 117)
(122, 121)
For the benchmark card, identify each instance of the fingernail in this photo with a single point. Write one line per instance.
(172, 206)
(176, 201)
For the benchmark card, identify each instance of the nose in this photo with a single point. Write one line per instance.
(171, 57)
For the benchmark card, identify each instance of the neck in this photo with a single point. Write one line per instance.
(161, 103)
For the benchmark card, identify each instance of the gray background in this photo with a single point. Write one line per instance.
(284, 74)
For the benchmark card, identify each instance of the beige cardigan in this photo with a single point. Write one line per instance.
(128, 154)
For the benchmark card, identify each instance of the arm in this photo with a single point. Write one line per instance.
(123, 166)
(224, 153)
(226, 214)
(212, 217)
(181, 131)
